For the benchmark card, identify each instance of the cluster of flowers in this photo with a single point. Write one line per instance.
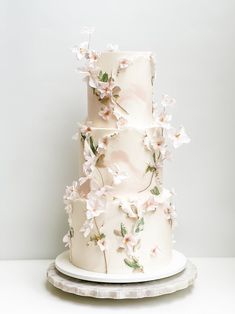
(100, 194)
(71, 194)
(156, 140)
(103, 84)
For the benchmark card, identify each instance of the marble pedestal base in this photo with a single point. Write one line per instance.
(126, 290)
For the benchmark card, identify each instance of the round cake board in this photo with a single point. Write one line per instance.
(151, 288)
(176, 265)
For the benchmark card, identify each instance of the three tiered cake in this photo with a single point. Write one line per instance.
(120, 215)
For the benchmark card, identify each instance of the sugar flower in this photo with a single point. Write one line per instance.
(68, 209)
(86, 129)
(124, 63)
(117, 175)
(155, 251)
(89, 164)
(71, 193)
(95, 206)
(151, 203)
(87, 227)
(167, 101)
(93, 56)
(178, 137)
(90, 72)
(163, 197)
(111, 47)
(81, 51)
(153, 141)
(99, 191)
(163, 120)
(106, 112)
(105, 89)
(128, 207)
(171, 214)
(121, 123)
(128, 242)
(67, 239)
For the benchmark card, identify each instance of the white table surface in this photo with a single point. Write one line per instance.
(24, 289)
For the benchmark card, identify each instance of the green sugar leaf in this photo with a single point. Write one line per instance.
(105, 77)
(123, 230)
(92, 146)
(155, 191)
(139, 225)
(133, 263)
(150, 169)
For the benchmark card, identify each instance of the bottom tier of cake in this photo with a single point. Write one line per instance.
(111, 241)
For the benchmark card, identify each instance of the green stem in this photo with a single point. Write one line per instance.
(148, 184)
(104, 253)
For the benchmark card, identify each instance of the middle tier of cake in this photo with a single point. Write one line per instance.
(123, 158)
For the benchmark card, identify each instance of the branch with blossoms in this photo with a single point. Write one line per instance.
(157, 140)
(102, 84)
(130, 242)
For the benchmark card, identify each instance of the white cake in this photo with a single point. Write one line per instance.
(120, 214)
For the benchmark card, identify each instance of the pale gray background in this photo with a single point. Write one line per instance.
(42, 97)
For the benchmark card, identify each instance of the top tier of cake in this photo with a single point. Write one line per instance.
(126, 87)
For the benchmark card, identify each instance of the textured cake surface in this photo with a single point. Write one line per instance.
(120, 215)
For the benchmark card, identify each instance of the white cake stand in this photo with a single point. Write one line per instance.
(151, 288)
(176, 265)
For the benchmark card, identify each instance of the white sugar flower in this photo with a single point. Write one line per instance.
(178, 137)
(105, 89)
(163, 120)
(155, 142)
(171, 214)
(99, 191)
(106, 112)
(121, 123)
(101, 244)
(158, 144)
(164, 197)
(90, 72)
(67, 240)
(71, 193)
(95, 206)
(86, 129)
(167, 101)
(129, 241)
(124, 63)
(116, 113)
(89, 164)
(87, 227)
(150, 204)
(69, 209)
(128, 208)
(93, 56)
(104, 141)
(147, 141)
(81, 51)
(111, 47)
(87, 30)
(117, 175)
(155, 251)
(103, 144)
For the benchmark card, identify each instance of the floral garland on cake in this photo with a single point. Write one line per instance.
(157, 140)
